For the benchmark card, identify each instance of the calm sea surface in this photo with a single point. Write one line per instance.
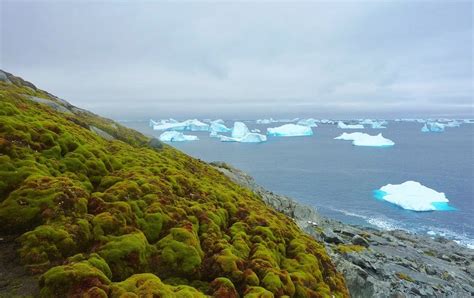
(338, 178)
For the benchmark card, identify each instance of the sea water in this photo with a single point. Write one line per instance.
(339, 179)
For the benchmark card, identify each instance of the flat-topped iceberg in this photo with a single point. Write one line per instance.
(414, 196)
(311, 122)
(290, 130)
(191, 125)
(176, 136)
(363, 139)
(342, 125)
(433, 127)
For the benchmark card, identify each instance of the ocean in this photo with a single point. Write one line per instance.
(338, 179)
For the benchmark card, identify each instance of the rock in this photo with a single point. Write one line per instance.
(155, 143)
(331, 237)
(358, 240)
(52, 104)
(4, 78)
(102, 133)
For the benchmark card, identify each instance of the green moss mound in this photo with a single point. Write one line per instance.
(124, 216)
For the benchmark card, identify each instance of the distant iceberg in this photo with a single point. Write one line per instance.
(453, 123)
(218, 126)
(255, 130)
(191, 125)
(271, 120)
(342, 125)
(241, 134)
(433, 127)
(379, 125)
(363, 139)
(239, 130)
(414, 196)
(290, 130)
(176, 136)
(311, 122)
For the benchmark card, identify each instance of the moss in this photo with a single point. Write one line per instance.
(72, 279)
(258, 292)
(348, 248)
(223, 287)
(126, 254)
(180, 252)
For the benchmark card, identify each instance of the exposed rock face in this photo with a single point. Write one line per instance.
(379, 263)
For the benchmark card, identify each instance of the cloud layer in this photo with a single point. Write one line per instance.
(341, 58)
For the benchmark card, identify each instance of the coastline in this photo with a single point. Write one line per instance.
(377, 263)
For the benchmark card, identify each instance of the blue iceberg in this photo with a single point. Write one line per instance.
(433, 127)
(218, 126)
(176, 136)
(241, 134)
(290, 130)
(191, 125)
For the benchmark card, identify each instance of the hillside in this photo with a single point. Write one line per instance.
(100, 210)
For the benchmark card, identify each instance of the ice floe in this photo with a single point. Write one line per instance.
(290, 130)
(363, 139)
(176, 136)
(218, 126)
(342, 125)
(414, 196)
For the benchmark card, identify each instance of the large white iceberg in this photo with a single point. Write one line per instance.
(241, 134)
(191, 125)
(414, 196)
(342, 125)
(363, 139)
(239, 130)
(311, 122)
(176, 136)
(433, 127)
(290, 130)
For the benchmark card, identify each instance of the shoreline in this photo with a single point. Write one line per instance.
(375, 262)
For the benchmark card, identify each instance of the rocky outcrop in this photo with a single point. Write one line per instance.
(378, 263)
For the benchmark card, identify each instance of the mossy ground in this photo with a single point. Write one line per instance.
(111, 218)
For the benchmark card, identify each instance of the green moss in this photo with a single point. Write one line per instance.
(223, 287)
(348, 248)
(259, 292)
(127, 254)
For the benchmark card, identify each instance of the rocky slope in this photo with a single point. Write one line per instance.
(379, 263)
(89, 208)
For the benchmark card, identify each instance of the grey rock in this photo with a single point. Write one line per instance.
(331, 237)
(52, 104)
(358, 240)
(102, 133)
(155, 143)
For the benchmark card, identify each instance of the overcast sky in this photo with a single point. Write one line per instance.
(341, 58)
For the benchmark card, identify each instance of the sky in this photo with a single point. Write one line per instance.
(138, 59)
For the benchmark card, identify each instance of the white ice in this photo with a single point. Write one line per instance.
(433, 127)
(413, 195)
(192, 125)
(342, 125)
(218, 126)
(290, 130)
(241, 134)
(311, 122)
(176, 136)
(363, 139)
(239, 130)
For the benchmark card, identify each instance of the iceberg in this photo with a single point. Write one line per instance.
(241, 134)
(290, 130)
(239, 130)
(311, 122)
(453, 123)
(342, 125)
(176, 136)
(264, 121)
(414, 196)
(255, 130)
(363, 139)
(218, 126)
(433, 127)
(378, 125)
(191, 125)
